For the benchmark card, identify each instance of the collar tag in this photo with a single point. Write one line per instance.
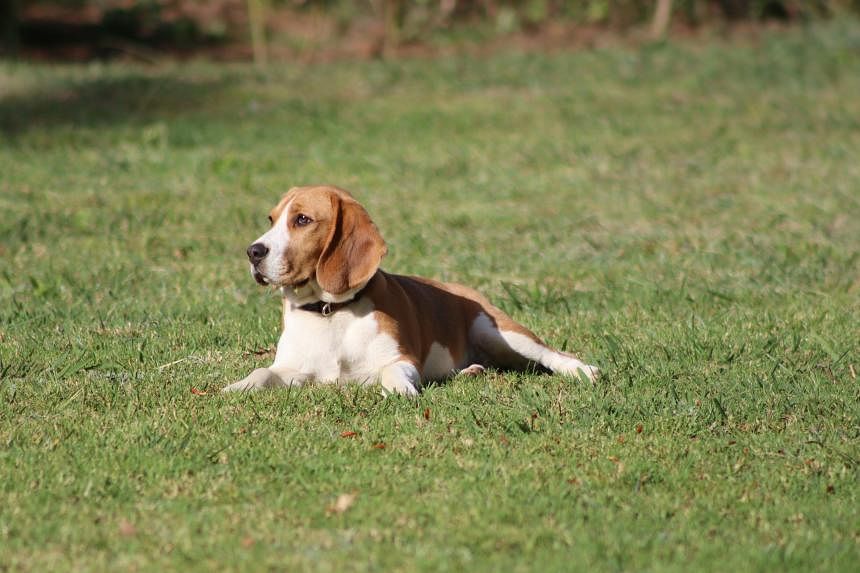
(326, 309)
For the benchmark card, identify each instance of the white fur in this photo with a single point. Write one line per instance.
(555, 361)
(439, 363)
(400, 378)
(345, 346)
(484, 333)
(266, 378)
(277, 238)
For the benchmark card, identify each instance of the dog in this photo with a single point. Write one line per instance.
(345, 319)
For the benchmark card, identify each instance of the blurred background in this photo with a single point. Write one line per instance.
(320, 30)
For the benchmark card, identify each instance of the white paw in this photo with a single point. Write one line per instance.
(579, 370)
(589, 371)
(256, 380)
(400, 378)
(406, 389)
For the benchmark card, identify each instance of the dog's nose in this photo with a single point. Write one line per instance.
(257, 252)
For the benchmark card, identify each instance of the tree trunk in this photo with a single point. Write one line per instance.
(257, 26)
(662, 16)
(395, 14)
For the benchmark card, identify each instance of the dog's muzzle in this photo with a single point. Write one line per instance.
(258, 276)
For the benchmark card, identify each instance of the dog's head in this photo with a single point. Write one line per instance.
(322, 245)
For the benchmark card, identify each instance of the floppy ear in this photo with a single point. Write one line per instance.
(353, 251)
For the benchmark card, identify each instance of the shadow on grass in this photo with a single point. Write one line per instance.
(121, 100)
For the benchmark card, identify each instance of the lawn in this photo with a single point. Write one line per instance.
(686, 216)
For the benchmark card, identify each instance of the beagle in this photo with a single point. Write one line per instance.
(345, 319)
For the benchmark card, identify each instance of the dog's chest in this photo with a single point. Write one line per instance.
(347, 345)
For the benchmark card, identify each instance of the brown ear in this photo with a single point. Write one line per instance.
(353, 251)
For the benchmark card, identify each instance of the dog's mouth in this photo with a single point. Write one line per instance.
(259, 277)
(278, 281)
(266, 281)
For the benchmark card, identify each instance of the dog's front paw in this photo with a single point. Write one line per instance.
(400, 378)
(256, 380)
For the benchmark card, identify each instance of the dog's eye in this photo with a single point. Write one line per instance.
(271, 221)
(302, 220)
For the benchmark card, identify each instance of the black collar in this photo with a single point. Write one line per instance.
(325, 308)
(329, 308)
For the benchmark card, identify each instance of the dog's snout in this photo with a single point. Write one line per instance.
(257, 252)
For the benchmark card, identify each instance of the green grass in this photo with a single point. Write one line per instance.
(687, 217)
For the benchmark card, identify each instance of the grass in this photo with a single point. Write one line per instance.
(685, 216)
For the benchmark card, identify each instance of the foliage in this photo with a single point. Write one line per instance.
(684, 216)
(184, 23)
(616, 12)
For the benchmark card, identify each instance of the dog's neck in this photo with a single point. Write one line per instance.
(311, 297)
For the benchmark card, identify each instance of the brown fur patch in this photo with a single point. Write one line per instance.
(341, 246)
(354, 248)
(418, 312)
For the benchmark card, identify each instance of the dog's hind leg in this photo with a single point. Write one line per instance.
(472, 370)
(508, 345)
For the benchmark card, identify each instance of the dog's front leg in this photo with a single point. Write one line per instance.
(402, 377)
(267, 378)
